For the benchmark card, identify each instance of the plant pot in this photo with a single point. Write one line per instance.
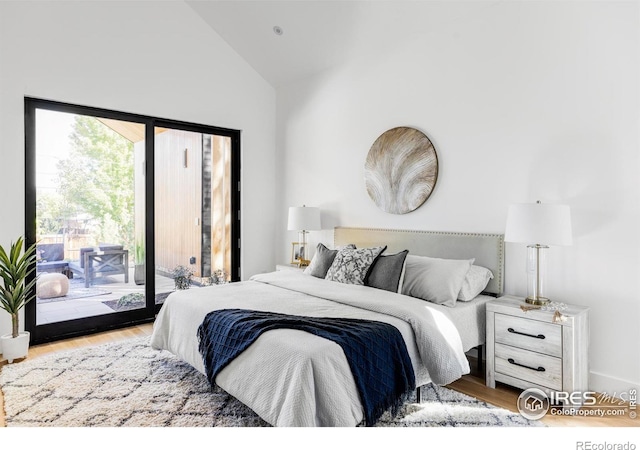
(138, 274)
(14, 348)
(182, 283)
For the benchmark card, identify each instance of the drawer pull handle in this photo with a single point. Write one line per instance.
(537, 369)
(539, 336)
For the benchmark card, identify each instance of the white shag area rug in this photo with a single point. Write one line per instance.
(130, 384)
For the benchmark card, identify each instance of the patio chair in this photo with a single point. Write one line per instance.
(50, 258)
(106, 260)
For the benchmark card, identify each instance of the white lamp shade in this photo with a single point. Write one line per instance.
(539, 223)
(304, 218)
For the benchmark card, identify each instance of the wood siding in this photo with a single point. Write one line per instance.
(178, 199)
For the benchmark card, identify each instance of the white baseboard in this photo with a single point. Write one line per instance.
(606, 384)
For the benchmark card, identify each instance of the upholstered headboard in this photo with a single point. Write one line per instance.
(487, 249)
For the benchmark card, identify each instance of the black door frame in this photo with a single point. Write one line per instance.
(95, 324)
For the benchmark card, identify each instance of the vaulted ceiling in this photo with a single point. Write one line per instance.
(318, 35)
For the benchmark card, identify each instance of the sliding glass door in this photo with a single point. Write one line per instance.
(123, 209)
(193, 245)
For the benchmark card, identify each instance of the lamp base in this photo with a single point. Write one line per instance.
(303, 262)
(540, 301)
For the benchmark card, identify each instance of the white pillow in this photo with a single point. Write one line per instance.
(434, 279)
(474, 283)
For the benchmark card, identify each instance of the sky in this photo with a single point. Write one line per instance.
(52, 145)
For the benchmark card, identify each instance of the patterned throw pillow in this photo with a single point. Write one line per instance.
(352, 265)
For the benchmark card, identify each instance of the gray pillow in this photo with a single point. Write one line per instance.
(321, 261)
(434, 279)
(352, 265)
(387, 272)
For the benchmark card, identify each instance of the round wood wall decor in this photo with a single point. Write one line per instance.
(401, 170)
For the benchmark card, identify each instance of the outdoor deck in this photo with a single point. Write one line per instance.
(83, 302)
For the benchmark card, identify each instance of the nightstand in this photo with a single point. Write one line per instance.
(288, 267)
(526, 349)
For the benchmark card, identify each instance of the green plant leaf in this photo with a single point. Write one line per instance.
(16, 267)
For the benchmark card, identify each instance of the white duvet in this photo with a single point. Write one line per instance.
(293, 378)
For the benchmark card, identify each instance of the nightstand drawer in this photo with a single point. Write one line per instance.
(529, 366)
(529, 334)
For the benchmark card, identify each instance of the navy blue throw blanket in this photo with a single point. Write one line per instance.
(376, 351)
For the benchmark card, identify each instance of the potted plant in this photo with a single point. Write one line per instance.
(182, 277)
(219, 276)
(138, 272)
(15, 293)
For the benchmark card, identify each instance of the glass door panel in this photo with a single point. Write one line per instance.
(89, 220)
(192, 210)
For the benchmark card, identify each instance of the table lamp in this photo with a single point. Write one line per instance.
(538, 225)
(303, 219)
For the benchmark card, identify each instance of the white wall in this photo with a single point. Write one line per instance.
(153, 58)
(524, 101)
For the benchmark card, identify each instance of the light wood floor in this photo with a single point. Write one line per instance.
(503, 396)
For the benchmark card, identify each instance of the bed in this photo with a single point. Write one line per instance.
(293, 378)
